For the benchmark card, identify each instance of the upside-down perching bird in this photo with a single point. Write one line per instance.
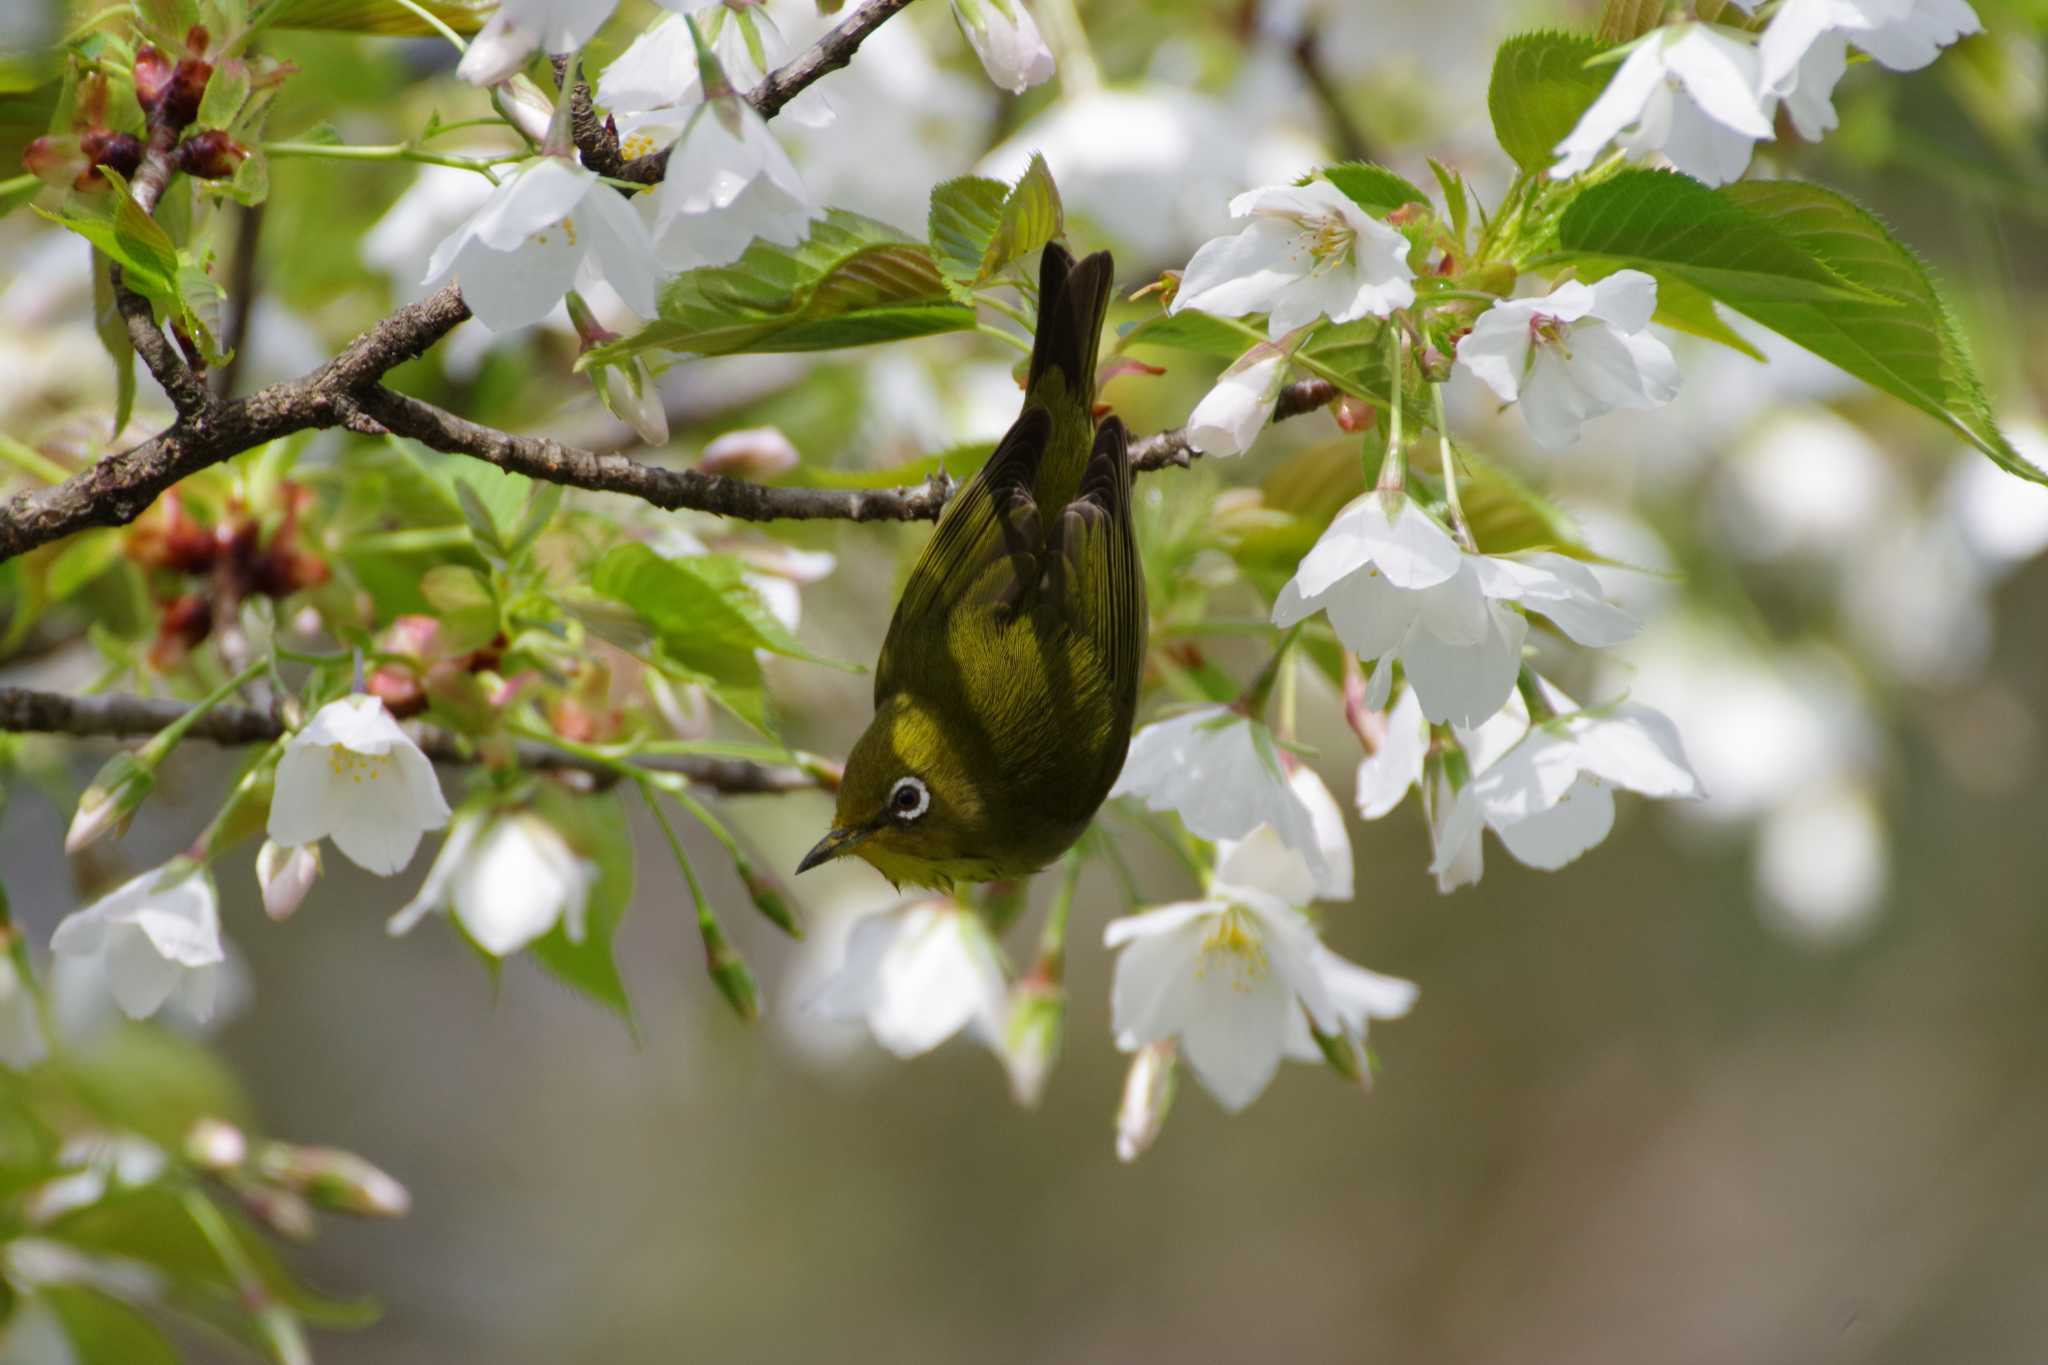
(1006, 686)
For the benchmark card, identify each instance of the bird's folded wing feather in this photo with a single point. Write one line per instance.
(986, 549)
(1094, 579)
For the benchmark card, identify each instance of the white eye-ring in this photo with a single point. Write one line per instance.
(909, 798)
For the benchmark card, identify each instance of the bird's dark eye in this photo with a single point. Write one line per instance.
(909, 798)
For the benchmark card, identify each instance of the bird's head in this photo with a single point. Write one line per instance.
(908, 803)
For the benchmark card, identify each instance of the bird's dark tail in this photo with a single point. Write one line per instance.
(1073, 299)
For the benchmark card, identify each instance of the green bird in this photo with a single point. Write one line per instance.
(1006, 686)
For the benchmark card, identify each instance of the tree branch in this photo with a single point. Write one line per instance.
(24, 711)
(186, 390)
(599, 143)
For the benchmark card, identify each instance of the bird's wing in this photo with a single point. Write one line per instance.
(1093, 577)
(986, 549)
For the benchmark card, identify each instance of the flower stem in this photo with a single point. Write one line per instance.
(1079, 75)
(728, 969)
(433, 21)
(279, 1325)
(167, 738)
(397, 151)
(1014, 314)
(1008, 338)
(1443, 440)
(1052, 939)
(1394, 468)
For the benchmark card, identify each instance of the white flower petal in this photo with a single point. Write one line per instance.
(1466, 684)
(1385, 777)
(1551, 838)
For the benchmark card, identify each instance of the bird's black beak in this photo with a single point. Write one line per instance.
(837, 844)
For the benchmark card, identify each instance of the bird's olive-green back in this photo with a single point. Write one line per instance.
(1010, 672)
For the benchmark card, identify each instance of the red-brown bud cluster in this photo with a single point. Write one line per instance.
(209, 155)
(427, 674)
(168, 93)
(232, 556)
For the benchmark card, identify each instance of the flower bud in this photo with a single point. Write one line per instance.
(1031, 1042)
(1355, 414)
(530, 110)
(286, 875)
(183, 626)
(110, 801)
(766, 893)
(1148, 1095)
(752, 453)
(729, 971)
(628, 392)
(333, 1179)
(55, 159)
(210, 155)
(284, 1213)
(215, 1145)
(152, 72)
(120, 152)
(399, 688)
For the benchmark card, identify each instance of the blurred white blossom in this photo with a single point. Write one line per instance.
(1902, 35)
(918, 974)
(1822, 861)
(508, 879)
(1308, 253)
(1147, 1097)
(1689, 91)
(511, 35)
(153, 937)
(351, 774)
(1006, 38)
(1577, 353)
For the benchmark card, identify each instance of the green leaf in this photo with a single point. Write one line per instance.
(1902, 338)
(226, 91)
(113, 334)
(382, 16)
(853, 282)
(727, 573)
(596, 828)
(1541, 85)
(463, 601)
(1506, 514)
(148, 259)
(105, 1329)
(961, 222)
(1682, 307)
(1661, 221)
(1457, 199)
(87, 557)
(18, 191)
(199, 304)
(1188, 331)
(1372, 187)
(978, 227)
(698, 627)
(543, 500)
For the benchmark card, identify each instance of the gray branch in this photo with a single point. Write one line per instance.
(24, 711)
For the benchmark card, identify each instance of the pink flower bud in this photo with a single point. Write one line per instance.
(286, 875)
(752, 453)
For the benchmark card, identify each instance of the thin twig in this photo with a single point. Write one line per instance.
(24, 711)
(599, 143)
(241, 305)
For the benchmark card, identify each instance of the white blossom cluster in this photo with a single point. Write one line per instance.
(1702, 95)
